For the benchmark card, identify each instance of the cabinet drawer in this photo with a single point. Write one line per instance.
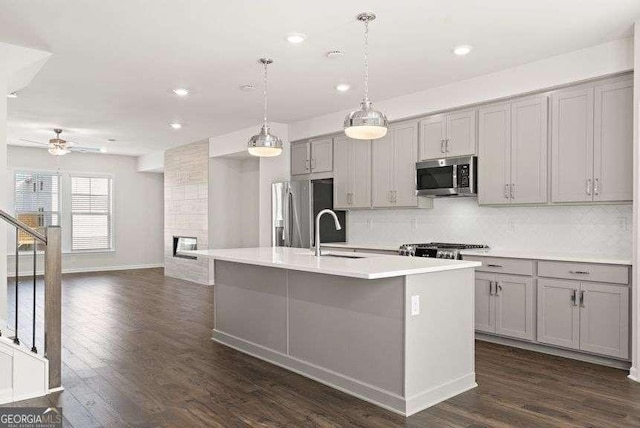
(584, 272)
(501, 265)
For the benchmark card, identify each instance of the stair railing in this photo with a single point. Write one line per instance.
(52, 243)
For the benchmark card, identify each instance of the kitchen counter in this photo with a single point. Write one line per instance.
(550, 256)
(392, 330)
(365, 266)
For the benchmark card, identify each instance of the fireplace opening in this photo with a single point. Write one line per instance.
(184, 243)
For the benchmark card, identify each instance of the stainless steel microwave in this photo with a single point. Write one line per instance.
(447, 177)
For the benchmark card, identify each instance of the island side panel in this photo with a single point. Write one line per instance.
(251, 303)
(351, 326)
(440, 350)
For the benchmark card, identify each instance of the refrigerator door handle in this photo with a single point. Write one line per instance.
(286, 212)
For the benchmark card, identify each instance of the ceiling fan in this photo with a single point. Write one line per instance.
(58, 146)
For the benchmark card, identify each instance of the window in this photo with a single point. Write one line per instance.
(91, 213)
(37, 203)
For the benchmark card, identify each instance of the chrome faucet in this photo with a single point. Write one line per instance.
(338, 227)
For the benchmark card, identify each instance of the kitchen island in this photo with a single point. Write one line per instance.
(395, 331)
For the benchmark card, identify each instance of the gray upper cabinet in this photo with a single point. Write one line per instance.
(321, 155)
(352, 173)
(448, 135)
(572, 145)
(513, 152)
(313, 156)
(300, 158)
(592, 142)
(394, 158)
(613, 142)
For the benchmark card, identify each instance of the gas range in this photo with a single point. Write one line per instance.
(440, 250)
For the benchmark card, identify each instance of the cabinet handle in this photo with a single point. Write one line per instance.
(395, 196)
(494, 265)
(306, 165)
(579, 272)
(506, 191)
(313, 164)
(490, 288)
(588, 186)
(498, 288)
(513, 190)
(574, 297)
(442, 146)
(582, 305)
(596, 184)
(446, 146)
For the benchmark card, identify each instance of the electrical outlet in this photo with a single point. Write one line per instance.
(415, 305)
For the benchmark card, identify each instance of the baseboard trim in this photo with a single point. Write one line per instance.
(633, 374)
(558, 352)
(369, 393)
(443, 392)
(94, 269)
(58, 389)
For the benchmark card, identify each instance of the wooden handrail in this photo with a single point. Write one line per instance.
(23, 227)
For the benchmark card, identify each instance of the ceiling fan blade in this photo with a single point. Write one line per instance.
(83, 149)
(34, 142)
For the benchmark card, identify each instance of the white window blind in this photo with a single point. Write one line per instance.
(37, 203)
(91, 213)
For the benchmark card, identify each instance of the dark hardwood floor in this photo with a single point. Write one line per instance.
(137, 352)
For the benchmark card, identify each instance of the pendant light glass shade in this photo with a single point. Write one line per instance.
(265, 144)
(366, 123)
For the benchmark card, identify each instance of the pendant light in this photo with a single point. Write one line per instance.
(265, 144)
(366, 123)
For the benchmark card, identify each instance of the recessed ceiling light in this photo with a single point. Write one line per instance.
(295, 38)
(12, 95)
(175, 125)
(462, 50)
(111, 140)
(248, 87)
(103, 150)
(343, 87)
(181, 92)
(335, 54)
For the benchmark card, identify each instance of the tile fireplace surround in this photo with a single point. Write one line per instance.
(186, 177)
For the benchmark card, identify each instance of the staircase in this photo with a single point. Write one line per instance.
(27, 372)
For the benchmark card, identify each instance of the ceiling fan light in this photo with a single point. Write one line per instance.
(366, 123)
(58, 151)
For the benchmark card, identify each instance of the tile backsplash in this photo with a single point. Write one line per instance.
(592, 229)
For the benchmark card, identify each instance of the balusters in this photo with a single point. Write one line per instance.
(33, 340)
(16, 340)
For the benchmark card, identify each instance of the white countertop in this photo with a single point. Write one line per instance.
(370, 266)
(550, 256)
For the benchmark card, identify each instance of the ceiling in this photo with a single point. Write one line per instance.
(114, 63)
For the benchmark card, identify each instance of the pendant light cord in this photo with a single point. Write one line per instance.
(264, 93)
(366, 60)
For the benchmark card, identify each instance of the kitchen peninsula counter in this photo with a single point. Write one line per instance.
(395, 331)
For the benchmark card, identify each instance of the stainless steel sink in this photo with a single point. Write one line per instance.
(343, 256)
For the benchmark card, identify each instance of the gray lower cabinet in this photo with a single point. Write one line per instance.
(504, 305)
(588, 316)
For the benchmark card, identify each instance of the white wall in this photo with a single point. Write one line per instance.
(151, 162)
(234, 207)
(600, 60)
(591, 229)
(138, 200)
(271, 170)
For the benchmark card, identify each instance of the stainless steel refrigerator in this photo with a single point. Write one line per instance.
(294, 205)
